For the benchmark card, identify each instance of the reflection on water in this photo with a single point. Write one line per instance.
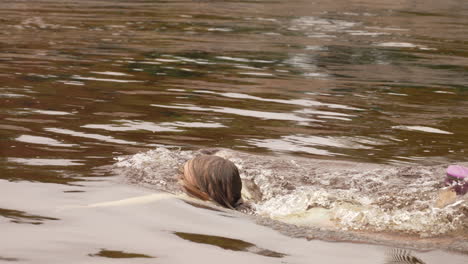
(397, 255)
(371, 81)
(9, 259)
(20, 217)
(118, 254)
(228, 243)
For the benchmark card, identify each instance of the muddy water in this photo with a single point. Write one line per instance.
(82, 82)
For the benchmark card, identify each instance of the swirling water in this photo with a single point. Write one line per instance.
(377, 82)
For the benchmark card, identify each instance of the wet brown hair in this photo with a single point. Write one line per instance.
(212, 178)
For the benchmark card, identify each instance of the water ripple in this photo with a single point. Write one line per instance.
(241, 112)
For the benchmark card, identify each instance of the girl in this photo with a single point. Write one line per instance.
(213, 178)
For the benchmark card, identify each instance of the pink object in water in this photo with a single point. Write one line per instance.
(457, 176)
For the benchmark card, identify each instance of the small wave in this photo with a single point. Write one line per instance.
(129, 125)
(49, 112)
(423, 129)
(46, 162)
(263, 74)
(403, 45)
(112, 73)
(72, 83)
(310, 23)
(98, 137)
(77, 77)
(312, 144)
(12, 95)
(42, 141)
(240, 112)
(299, 102)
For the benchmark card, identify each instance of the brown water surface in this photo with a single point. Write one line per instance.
(81, 82)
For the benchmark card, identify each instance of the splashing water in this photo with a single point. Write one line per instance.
(305, 192)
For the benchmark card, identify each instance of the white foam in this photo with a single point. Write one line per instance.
(354, 210)
(355, 197)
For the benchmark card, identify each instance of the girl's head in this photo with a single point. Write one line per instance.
(212, 178)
